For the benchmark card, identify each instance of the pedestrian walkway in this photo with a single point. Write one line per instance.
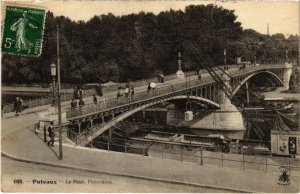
(106, 95)
(20, 142)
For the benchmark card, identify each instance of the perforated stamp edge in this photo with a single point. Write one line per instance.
(27, 4)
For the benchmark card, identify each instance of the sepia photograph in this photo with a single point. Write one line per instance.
(150, 96)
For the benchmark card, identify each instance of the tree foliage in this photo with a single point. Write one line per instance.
(137, 46)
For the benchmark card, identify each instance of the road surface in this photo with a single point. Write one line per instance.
(32, 174)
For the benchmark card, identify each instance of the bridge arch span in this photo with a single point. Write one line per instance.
(123, 116)
(272, 75)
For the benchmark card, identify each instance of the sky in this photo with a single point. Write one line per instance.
(282, 16)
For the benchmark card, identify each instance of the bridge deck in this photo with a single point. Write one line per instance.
(178, 87)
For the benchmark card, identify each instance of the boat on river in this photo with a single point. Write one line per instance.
(270, 105)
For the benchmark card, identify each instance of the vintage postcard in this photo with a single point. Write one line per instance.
(150, 96)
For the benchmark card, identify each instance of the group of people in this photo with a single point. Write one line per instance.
(127, 92)
(18, 105)
(77, 100)
(78, 93)
(77, 103)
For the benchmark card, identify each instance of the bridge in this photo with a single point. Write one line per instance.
(93, 120)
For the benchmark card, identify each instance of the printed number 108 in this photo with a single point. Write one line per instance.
(18, 181)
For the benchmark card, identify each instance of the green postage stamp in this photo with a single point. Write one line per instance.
(23, 30)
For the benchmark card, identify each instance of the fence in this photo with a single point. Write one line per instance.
(144, 82)
(115, 101)
(198, 155)
(68, 96)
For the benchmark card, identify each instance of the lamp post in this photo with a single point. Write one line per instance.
(53, 74)
(58, 95)
(188, 79)
(179, 73)
(55, 70)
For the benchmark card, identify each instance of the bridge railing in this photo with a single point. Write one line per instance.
(144, 82)
(46, 100)
(31, 103)
(111, 102)
(140, 96)
(114, 101)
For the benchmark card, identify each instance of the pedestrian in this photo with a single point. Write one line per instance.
(75, 94)
(17, 106)
(172, 88)
(149, 88)
(162, 77)
(81, 103)
(51, 134)
(126, 92)
(99, 90)
(73, 104)
(152, 86)
(95, 99)
(21, 104)
(132, 92)
(120, 92)
(158, 77)
(199, 75)
(239, 148)
(80, 92)
(2, 109)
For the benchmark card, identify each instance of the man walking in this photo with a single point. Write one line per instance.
(80, 92)
(17, 106)
(95, 99)
(51, 134)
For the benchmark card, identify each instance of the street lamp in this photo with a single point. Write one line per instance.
(53, 74)
(58, 94)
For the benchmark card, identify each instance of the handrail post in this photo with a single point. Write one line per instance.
(266, 164)
(125, 146)
(108, 144)
(181, 153)
(162, 153)
(201, 156)
(45, 135)
(289, 167)
(243, 161)
(222, 159)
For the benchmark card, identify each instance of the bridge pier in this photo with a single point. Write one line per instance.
(227, 121)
